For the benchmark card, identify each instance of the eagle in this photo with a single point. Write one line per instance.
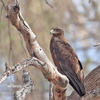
(66, 60)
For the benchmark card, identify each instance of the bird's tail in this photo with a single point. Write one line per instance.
(77, 85)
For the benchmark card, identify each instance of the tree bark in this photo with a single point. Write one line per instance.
(38, 57)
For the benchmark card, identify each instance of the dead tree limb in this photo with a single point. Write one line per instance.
(3, 3)
(98, 44)
(39, 58)
(47, 2)
(27, 87)
(51, 75)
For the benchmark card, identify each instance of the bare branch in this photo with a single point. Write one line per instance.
(50, 92)
(27, 87)
(20, 66)
(47, 2)
(11, 51)
(39, 58)
(22, 45)
(98, 44)
(53, 76)
(1, 13)
(3, 4)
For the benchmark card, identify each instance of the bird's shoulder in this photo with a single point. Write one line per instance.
(65, 57)
(63, 50)
(63, 46)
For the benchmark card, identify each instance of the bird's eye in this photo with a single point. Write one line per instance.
(55, 29)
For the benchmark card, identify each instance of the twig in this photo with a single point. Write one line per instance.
(11, 51)
(50, 92)
(1, 12)
(0, 18)
(96, 45)
(3, 4)
(22, 44)
(7, 67)
(48, 3)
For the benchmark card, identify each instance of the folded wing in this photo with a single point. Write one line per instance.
(68, 64)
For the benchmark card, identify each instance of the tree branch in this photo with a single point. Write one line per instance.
(39, 58)
(26, 88)
(52, 75)
(47, 2)
(3, 4)
(98, 44)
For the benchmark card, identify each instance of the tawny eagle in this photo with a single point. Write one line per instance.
(66, 60)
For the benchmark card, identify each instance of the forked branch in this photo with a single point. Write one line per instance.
(38, 57)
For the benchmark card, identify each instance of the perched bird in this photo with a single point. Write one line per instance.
(66, 60)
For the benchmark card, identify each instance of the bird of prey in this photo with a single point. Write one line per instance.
(66, 60)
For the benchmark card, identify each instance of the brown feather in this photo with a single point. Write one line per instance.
(67, 62)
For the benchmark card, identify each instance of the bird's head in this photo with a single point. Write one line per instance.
(56, 31)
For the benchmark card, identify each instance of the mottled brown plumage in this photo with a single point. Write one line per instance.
(66, 60)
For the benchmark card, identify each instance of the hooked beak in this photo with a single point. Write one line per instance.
(51, 31)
